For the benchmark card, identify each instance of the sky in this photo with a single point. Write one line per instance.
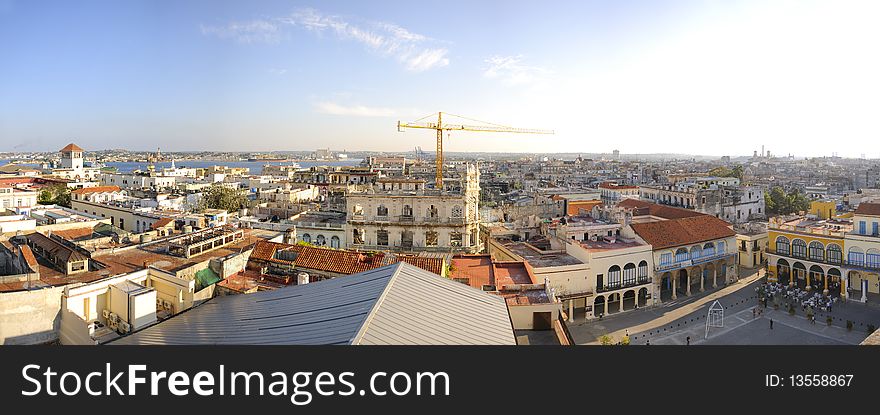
(696, 77)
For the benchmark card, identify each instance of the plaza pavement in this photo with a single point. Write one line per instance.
(673, 321)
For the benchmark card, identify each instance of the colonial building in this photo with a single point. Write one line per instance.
(402, 215)
(691, 251)
(72, 167)
(722, 197)
(862, 245)
(809, 253)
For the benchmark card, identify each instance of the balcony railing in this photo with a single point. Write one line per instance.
(692, 261)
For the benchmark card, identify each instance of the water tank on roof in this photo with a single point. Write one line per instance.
(302, 278)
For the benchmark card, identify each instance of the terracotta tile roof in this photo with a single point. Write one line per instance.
(97, 189)
(162, 223)
(29, 257)
(75, 233)
(57, 249)
(872, 209)
(642, 208)
(684, 231)
(339, 261)
(71, 147)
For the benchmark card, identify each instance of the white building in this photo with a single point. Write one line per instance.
(400, 214)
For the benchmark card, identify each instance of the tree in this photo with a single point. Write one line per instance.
(736, 171)
(57, 194)
(222, 197)
(778, 202)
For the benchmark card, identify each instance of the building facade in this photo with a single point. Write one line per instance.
(407, 217)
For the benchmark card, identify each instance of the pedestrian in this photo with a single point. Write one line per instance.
(754, 312)
(688, 340)
(648, 343)
(771, 324)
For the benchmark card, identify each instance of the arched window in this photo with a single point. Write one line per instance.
(720, 248)
(833, 254)
(709, 249)
(696, 252)
(856, 257)
(357, 210)
(456, 211)
(432, 212)
(614, 276)
(782, 246)
(817, 251)
(799, 248)
(643, 271)
(629, 274)
(307, 238)
(407, 210)
(681, 255)
(320, 240)
(872, 258)
(666, 258)
(381, 211)
(334, 241)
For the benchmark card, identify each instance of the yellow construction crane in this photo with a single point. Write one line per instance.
(440, 127)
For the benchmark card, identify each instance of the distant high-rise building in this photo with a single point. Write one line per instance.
(616, 155)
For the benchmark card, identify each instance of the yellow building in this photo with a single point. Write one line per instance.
(808, 253)
(823, 209)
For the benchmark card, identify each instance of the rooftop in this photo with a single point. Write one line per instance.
(540, 259)
(682, 231)
(416, 308)
(642, 208)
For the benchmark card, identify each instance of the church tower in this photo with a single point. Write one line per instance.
(72, 157)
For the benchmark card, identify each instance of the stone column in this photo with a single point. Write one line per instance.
(825, 291)
(688, 290)
(701, 281)
(571, 310)
(606, 306)
(674, 279)
(715, 276)
(843, 281)
(808, 287)
(621, 302)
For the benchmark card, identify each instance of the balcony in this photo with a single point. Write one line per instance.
(406, 218)
(694, 261)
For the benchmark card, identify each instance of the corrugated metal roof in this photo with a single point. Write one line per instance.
(422, 308)
(396, 304)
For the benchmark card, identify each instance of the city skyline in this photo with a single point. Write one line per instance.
(635, 76)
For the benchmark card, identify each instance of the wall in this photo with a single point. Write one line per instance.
(30, 317)
(522, 315)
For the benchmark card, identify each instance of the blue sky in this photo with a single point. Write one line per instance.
(702, 77)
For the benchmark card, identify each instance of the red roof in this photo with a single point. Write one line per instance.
(482, 269)
(97, 189)
(162, 223)
(29, 257)
(642, 208)
(872, 209)
(71, 147)
(682, 231)
(339, 261)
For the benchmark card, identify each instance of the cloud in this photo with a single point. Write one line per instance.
(277, 71)
(332, 108)
(253, 31)
(510, 70)
(414, 51)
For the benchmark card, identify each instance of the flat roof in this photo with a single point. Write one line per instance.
(539, 259)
